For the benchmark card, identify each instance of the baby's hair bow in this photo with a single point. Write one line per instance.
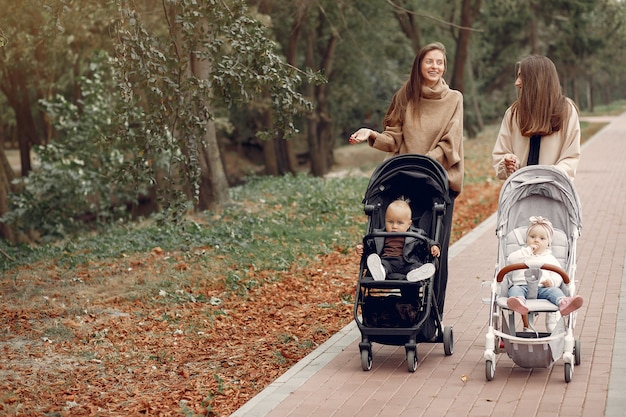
(541, 221)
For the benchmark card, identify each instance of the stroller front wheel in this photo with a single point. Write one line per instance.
(366, 360)
(569, 372)
(490, 370)
(577, 352)
(411, 360)
(448, 341)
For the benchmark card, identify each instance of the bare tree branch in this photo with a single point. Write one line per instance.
(436, 19)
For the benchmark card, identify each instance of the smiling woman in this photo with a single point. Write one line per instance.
(426, 118)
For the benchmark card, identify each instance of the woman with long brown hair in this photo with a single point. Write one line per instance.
(541, 127)
(425, 117)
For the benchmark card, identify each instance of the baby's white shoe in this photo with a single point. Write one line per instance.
(375, 267)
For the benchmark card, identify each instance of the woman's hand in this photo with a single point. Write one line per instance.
(361, 135)
(359, 250)
(511, 163)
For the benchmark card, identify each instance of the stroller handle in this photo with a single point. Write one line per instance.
(514, 267)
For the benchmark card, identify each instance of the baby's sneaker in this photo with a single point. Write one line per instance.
(569, 304)
(517, 304)
(375, 267)
(423, 272)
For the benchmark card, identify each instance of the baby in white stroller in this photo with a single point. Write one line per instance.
(547, 284)
(532, 191)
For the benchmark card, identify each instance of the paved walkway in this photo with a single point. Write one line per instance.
(330, 382)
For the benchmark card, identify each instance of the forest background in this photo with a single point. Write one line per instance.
(135, 107)
(179, 231)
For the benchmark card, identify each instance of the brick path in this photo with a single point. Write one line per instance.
(330, 382)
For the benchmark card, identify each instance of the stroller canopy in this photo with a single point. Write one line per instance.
(539, 190)
(417, 177)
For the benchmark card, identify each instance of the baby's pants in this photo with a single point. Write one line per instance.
(398, 265)
(551, 294)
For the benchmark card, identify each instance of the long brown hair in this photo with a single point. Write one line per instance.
(541, 108)
(411, 91)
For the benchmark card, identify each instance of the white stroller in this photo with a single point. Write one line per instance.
(534, 191)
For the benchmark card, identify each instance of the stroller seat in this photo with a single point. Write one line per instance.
(515, 239)
(534, 305)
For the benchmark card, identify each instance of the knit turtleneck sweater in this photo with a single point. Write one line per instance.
(434, 130)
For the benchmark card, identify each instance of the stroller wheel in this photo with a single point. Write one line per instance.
(577, 352)
(411, 360)
(366, 360)
(569, 372)
(490, 370)
(448, 341)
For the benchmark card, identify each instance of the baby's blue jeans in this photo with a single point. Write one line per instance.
(552, 294)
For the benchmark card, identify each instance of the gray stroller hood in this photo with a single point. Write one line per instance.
(539, 190)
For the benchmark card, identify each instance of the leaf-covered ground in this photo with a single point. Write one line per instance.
(163, 356)
(170, 354)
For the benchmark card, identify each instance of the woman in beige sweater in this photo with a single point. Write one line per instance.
(426, 117)
(543, 114)
(540, 128)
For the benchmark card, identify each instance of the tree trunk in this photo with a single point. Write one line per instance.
(477, 125)
(532, 35)
(278, 154)
(589, 91)
(213, 182)
(16, 91)
(311, 131)
(284, 150)
(409, 25)
(322, 151)
(6, 177)
(269, 155)
(469, 9)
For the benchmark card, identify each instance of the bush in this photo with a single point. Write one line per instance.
(78, 176)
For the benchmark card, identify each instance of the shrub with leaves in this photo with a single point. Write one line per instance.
(183, 68)
(73, 180)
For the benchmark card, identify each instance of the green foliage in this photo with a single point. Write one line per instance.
(583, 38)
(272, 224)
(73, 181)
(212, 55)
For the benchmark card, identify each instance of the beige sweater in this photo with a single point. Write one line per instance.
(560, 149)
(437, 132)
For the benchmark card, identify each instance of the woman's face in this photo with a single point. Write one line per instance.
(518, 79)
(432, 67)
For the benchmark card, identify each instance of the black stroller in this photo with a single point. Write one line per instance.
(396, 311)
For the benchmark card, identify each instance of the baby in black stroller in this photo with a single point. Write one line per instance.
(399, 277)
(405, 255)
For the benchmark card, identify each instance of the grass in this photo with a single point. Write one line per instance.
(613, 109)
(272, 224)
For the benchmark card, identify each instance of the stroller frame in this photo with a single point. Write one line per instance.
(546, 191)
(424, 181)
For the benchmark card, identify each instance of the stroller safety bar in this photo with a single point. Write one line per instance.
(548, 267)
